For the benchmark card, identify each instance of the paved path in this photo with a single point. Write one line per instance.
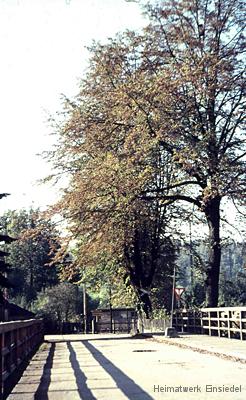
(225, 348)
(117, 367)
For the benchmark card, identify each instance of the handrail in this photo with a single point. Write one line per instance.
(11, 325)
(18, 340)
(223, 308)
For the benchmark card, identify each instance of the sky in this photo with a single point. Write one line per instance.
(43, 55)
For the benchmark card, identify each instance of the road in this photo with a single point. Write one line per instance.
(117, 367)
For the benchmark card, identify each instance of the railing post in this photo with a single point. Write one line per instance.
(228, 325)
(218, 322)
(241, 325)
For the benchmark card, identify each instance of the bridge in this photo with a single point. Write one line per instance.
(120, 366)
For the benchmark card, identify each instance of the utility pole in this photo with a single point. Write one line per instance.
(191, 250)
(171, 331)
(191, 258)
(110, 309)
(85, 308)
(172, 309)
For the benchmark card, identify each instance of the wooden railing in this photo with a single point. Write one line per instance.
(227, 322)
(18, 340)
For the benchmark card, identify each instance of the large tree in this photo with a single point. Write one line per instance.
(111, 220)
(198, 48)
(158, 123)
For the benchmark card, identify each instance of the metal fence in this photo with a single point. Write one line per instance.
(18, 341)
(227, 322)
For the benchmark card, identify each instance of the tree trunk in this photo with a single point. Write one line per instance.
(136, 273)
(212, 212)
(145, 302)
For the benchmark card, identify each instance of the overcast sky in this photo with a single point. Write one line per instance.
(42, 44)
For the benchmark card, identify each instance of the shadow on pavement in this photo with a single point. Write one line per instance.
(80, 377)
(42, 391)
(123, 382)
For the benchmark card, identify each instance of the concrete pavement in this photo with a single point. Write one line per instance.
(233, 349)
(117, 367)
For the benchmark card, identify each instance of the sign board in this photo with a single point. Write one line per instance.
(178, 292)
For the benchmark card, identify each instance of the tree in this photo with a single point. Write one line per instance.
(59, 307)
(158, 123)
(111, 222)
(107, 282)
(191, 272)
(4, 266)
(202, 77)
(31, 256)
(129, 237)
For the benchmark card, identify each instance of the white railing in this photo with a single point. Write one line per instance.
(227, 322)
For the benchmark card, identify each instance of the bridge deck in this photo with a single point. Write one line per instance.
(223, 347)
(117, 367)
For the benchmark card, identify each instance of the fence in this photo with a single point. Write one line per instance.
(18, 340)
(116, 326)
(153, 325)
(227, 322)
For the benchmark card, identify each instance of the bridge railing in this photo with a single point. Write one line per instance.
(18, 340)
(227, 322)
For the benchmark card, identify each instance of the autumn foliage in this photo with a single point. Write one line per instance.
(158, 122)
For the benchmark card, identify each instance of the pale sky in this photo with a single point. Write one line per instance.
(42, 44)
